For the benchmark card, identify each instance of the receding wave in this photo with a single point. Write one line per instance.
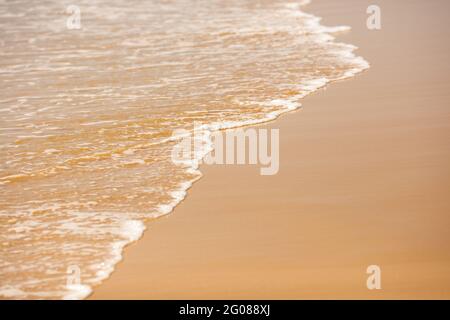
(87, 117)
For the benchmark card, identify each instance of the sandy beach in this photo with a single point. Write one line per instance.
(364, 180)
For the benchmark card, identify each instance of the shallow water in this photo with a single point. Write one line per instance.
(86, 117)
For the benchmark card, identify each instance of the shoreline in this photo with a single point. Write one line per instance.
(241, 249)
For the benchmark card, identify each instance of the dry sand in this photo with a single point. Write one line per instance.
(364, 179)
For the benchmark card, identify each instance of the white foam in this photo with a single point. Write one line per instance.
(130, 230)
(77, 292)
(50, 151)
(12, 292)
(94, 123)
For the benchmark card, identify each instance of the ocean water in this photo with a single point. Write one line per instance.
(87, 116)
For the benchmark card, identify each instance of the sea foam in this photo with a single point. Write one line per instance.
(90, 150)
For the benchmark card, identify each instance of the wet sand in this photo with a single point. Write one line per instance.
(364, 179)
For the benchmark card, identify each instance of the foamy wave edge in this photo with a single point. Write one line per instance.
(205, 131)
(134, 229)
